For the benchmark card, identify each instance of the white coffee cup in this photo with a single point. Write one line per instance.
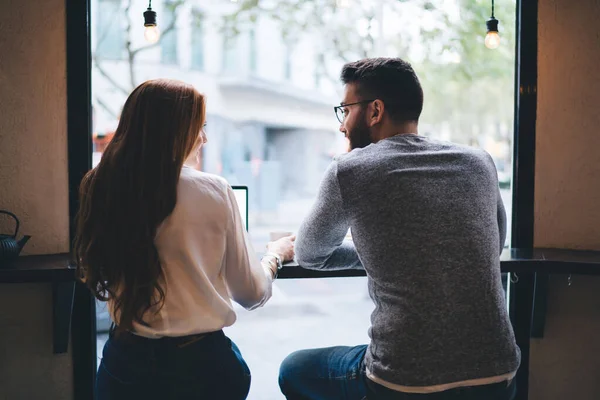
(278, 235)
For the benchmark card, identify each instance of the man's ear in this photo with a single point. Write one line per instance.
(377, 110)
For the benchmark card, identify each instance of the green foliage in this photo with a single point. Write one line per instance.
(173, 5)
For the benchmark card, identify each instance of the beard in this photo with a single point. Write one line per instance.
(360, 135)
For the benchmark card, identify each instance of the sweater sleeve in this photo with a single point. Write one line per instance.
(501, 221)
(320, 241)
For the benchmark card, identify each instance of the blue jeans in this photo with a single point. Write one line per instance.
(339, 373)
(199, 367)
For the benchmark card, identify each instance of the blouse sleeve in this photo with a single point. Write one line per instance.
(248, 283)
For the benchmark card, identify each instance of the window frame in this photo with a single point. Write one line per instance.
(79, 142)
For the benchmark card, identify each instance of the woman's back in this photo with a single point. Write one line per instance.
(198, 243)
(165, 245)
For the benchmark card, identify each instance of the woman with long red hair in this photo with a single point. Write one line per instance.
(165, 246)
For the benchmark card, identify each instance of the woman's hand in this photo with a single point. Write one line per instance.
(284, 247)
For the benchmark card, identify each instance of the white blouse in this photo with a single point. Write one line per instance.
(207, 260)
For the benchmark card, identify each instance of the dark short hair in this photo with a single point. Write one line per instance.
(391, 80)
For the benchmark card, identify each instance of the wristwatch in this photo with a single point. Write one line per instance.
(278, 259)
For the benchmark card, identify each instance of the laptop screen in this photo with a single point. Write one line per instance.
(241, 197)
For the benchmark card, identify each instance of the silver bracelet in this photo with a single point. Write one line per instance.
(276, 257)
(270, 263)
(278, 260)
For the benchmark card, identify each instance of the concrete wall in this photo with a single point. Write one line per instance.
(566, 363)
(33, 185)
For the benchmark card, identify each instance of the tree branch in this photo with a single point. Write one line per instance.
(338, 49)
(106, 108)
(109, 78)
(130, 54)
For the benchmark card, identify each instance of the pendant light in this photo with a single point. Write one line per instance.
(492, 38)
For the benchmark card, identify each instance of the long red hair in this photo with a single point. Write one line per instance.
(131, 192)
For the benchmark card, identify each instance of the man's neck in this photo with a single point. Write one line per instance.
(406, 128)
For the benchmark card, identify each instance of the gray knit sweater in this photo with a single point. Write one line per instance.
(428, 225)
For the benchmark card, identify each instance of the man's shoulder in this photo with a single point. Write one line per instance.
(477, 155)
(377, 154)
(470, 152)
(355, 157)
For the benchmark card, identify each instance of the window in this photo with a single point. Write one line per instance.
(197, 48)
(168, 43)
(278, 139)
(287, 68)
(306, 313)
(319, 69)
(252, 50)
(110, 37)
(230, 53)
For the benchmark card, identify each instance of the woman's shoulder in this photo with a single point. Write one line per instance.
(192, 180)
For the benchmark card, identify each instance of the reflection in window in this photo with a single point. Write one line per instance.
(168, 43)
(197, 48)
(110, 43)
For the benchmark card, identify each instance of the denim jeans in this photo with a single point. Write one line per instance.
(208, 367)
(339, 373)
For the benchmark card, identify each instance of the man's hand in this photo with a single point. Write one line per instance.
(284, 247)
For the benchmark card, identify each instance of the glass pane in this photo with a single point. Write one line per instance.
(230, 54)
(252, 50)
(168, 43)
(308, 313)
(271, 78)
(197, 48)
(110, 36)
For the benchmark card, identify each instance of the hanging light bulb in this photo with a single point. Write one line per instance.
(492, 38)
(151, 34)
(151, 31)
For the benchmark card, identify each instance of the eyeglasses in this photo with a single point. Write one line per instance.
(341, 114)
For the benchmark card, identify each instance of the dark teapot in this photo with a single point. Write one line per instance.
(10, 247)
